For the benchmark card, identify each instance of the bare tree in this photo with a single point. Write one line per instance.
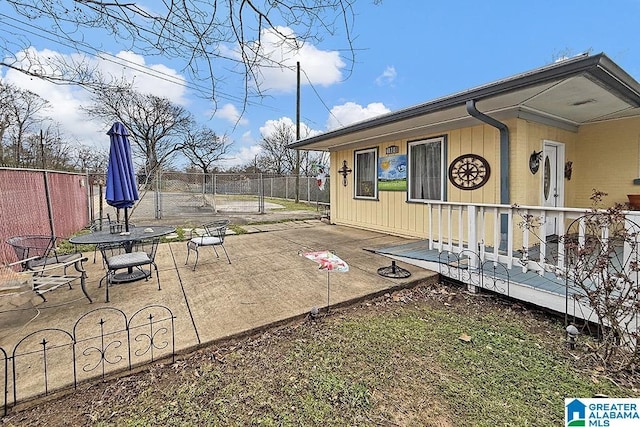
(205, 36)
(48, 149)
(22, 115)
(204, 148)
(6, 98)
(156, 125)
(314, 161)
(276, 157)
(91, 159)
(28, 138)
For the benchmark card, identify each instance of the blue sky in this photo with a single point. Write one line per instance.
(408, 52)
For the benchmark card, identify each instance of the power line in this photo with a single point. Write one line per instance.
(320, 98)
(95, 52)
(87, 49)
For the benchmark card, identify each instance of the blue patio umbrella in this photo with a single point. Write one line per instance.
(121, 191)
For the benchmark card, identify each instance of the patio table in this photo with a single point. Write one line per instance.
(127, 239)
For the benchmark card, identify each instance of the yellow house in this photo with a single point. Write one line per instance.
(547, 138)
(494, 173)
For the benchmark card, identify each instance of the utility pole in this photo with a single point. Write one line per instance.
(42, 149)
(298, 134)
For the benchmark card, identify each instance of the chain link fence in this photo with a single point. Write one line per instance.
(178, 195)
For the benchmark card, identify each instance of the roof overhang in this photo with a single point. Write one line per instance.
(567, 94)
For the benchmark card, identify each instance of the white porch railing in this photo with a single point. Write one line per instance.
(586, 250)
(510, 235)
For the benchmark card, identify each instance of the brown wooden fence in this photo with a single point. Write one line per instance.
(40, 202)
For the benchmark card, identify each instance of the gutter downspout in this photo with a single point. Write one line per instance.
(504, 160)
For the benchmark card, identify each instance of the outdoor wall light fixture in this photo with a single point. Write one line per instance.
(534, 161)
(344, 170)
(572, 336)
(568, 170)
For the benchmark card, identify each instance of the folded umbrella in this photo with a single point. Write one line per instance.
(121, 188)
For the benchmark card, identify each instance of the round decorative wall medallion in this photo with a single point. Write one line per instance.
(469, 172)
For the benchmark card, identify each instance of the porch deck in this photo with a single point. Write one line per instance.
(541, 288)
(515, 251)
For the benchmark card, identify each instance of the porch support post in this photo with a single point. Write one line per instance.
(472, 240)
(472, 244)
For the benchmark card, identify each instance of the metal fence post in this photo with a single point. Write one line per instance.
(261, 194)
(157, 194)
(89, 184)
(212, 182)
(47, 192)
(286, 188)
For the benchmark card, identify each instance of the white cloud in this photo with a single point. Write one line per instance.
(230, 113)
(244, 156)
(249, 147)
(387, 77)
(271, 125)
(64, 101)
(350, 112)
(247, 137)
(154, 79)
(243, 152)
(278, 71)
(67, 101)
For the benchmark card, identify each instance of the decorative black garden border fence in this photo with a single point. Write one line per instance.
(466, 267)
(103, 340)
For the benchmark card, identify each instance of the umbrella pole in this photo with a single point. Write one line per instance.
(126, 219)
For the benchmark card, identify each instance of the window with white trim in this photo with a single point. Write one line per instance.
(366, 162)
(426, 169)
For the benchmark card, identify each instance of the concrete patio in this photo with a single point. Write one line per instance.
(267, 283)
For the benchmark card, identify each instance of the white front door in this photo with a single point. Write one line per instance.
(552, 182)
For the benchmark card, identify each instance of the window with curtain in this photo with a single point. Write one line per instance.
(365, 173)
(426, 170)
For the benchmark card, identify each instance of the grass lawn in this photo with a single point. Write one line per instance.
(428, 356)
(392, 185)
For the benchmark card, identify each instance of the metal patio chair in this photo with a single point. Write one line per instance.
(213, 236)
(116, 259)
(104, 224)
(36, 251)
(46, 269)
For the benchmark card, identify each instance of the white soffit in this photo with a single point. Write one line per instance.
(512, 99)
(578, 100)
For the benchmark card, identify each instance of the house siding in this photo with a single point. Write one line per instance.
(608, 160)
(391, 212)
(527, 137)
(605, 156)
